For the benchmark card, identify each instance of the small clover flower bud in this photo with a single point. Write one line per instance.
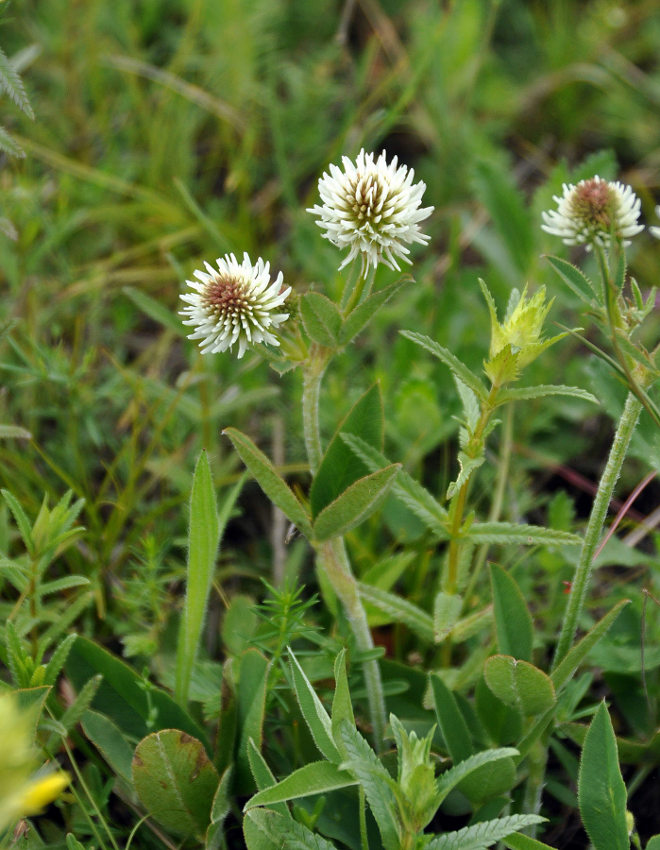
(593, 212)
(372, 208)
(234, 303)
(518, 340)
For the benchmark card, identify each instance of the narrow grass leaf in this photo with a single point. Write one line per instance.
(513, 622)
(318, 777)
(316, 717)
(355, 504)
(156, 310)
(457, 367)
(601, 791)
(202, 550)
(252, 687)
(482, 835)
(175, 781)
(270, 482)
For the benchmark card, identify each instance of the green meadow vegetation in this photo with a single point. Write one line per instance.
(393, 582)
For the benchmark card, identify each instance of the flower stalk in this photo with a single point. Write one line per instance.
(580, 583)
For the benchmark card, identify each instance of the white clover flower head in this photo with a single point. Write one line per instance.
(655, 231)
(372, 208)
(234, 303)
(592, 212)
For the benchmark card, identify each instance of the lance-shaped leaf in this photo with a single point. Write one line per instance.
(405, 488)
(601, 791)
(321, 319)
(577, 282)
(251, 710)
(360, 316)
(268, 830)
(518, 841)
(451, 722)
(446, 611)
(400, 610)
(277, 490)
(317, 777)
(525, 535)
(355, 504)
(563, 672)
(342, 706)
(513, 622)
(482, 835)
(541, 391)
(457, 367)
(175, 781)
(203, 538)
(263, 776)
(450, 778)
(519, 684)
(314, 713)
(340, 467)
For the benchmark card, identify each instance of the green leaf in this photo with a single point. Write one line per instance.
(31, 701)
(466, 466)
(519, 684)
(652, 844)
(318, 777)
(339, 467)
(270, 482)
(513, 622)
(12, 85)
(508, 211)
(451, 722)
(355, 504)
(220, 808)
(135, 705)
(14, 432)
(482, 835)
(502, 723)
(263, 776)
(342, 706)
(405, 488)
(363, 763)
(541, 391)
(156, 310)
(446, 611)
(267, 830)
(252, 686)
(524, 842)
(451, 778)
(315, 715)
(65, 583)
(400, 610)
(21, 520)
(457, 367)
(175, 781)
(601, 791)
(565, 670)
(321, 319)
(525, 535)
(109, 741)
(203, 538)
(75, 711)
(577, 282)
(361, 315)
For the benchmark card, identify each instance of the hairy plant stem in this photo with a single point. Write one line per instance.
(331, 554)
(579, 586)
(473, 449)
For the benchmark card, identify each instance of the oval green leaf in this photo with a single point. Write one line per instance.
(519, 684)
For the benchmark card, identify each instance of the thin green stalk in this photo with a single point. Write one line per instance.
(498, 496)
(332, 556)
(576, 599)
